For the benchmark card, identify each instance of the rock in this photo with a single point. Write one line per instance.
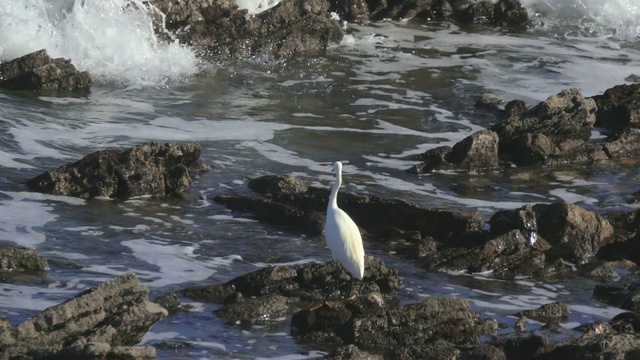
(599, 346)
(352, 10)
(351, 352)
(169, 301)
(218, 28)
(597, 269)
(254, 310)
(524, 348)
(368, 323)
(624, 145)
(21, 259)
(103, 322)
(627, 322)
(548, 312)
(593, 328)
(373, 215)
(37, 71)
(619, 108)
(581, 232)
(478, 151)
(146, 169)
(562, 118)
(523, 219)
(445, 350)
(508, 256)
(624, 296)
(309, 282)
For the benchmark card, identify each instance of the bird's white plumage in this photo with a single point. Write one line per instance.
(256, 6)
(341, 232)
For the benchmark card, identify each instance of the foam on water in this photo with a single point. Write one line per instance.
(112, 39)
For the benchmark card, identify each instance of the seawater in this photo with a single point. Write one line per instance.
(389, 91)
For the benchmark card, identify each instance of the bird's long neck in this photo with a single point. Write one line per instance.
(333, 199)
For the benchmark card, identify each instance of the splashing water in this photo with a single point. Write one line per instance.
(112, 39)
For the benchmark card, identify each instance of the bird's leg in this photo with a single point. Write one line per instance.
(352, 295)
(335, 282)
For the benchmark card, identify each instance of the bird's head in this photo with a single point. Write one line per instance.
(337, 167)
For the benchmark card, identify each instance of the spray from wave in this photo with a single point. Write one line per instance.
(588, 18)
(112, 39)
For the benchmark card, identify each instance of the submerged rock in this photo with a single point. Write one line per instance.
(37, 71)
(103, 322)
(146, 169)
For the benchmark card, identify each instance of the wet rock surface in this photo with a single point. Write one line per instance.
(146, 169)
(103, 322)
(38, 71)
(23, 260)
(218, 28)
(554, 132)
(555, 311)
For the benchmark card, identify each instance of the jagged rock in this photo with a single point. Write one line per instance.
(309, 282)
(219, 28)
(523, 219)
(441, 349)
(595, 327)
(624, 296)
(146, 169)
(351, 352)
(562, 118)
(627, 322)
(552, 311)
(169, 301)
(254, 310)
(599, 346)
(21, 259)
(103, 322)
(478, 151)
(370, 323)
(619, 108)
(523, 348)
(597, 269)
(574, 232)
(37, 71)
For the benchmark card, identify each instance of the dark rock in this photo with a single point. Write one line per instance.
(37, 71)
(534, 149)
(374, 215)
(351, 352)
(21, 259)
(352, 10)
(309, 282)
(441, 349)
(103, 322)
(561, 118)
(619, 108)
(307, 221)
(147, 169)
(580, 231)
(523, 219)
(624, 296)
(168, 301)
(478, 151)
(624, 145)
(254, 310)
(593, 328)
(525, 348)
(548, 312)
(368, 323)
(599, 346)
(627, 322)
(219, 28)
(508, 256)
(597, 269)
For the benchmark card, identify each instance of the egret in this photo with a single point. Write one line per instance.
(342, 234)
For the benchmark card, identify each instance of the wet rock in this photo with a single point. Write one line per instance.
(22, 260)
(219, 28)
(310, 222)
(548, 312)
(444, 350)
(626, 144)
(373, 215)
(146, 169)
(593, 328)
(168, 301)
(351, 352)
(309, 282)
(478, 151)
(624, 296)
(524, 348)
(600, 346)
(254, 310)
(523, 219)
(597, 269)
(627, 322)
(572, 228)
(368, 323)
(561, 118)
(103, 322)
(508, 256)
(37, 71)
(619, 108)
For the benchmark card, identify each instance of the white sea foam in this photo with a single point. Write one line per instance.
(112, 39)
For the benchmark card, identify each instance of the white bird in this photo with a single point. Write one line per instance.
(342, 234)
(255, 7)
